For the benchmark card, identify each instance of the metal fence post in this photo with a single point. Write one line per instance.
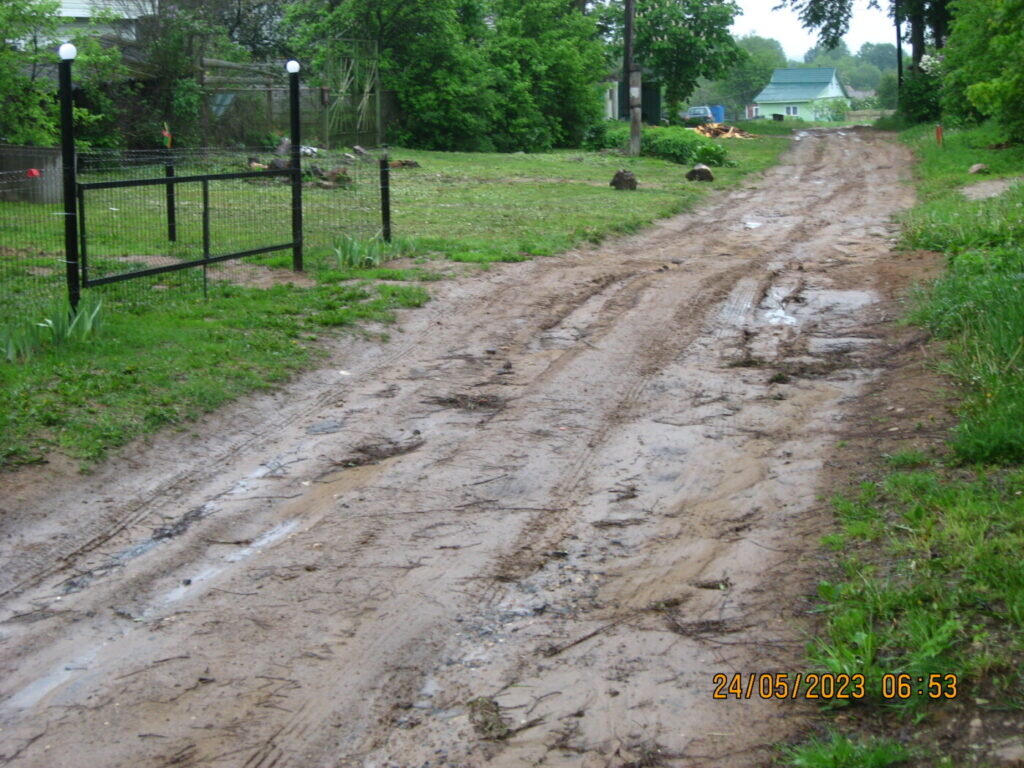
(385, 196)
(296, 158)
(172, 214)
(67, 54)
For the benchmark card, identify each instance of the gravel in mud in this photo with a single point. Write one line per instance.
(527, 531)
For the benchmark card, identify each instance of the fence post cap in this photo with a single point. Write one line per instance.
(293, 67)
(67, 52)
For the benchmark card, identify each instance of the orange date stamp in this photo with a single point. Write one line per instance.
(825, 685)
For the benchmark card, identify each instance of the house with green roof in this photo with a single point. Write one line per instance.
(814, 93)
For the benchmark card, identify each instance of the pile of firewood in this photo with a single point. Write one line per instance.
(722, 131)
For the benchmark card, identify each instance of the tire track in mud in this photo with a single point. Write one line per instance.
(546, 553)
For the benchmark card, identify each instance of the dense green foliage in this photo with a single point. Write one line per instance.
(491, 75)
(28, 111)
(673, 143)
(684, 40)
(984, 60)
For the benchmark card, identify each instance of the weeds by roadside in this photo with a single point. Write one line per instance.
(21, 340)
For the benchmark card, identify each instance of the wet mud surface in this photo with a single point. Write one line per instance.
(527, 531)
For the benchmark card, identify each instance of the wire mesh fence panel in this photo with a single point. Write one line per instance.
(32, 267)
(140, 228)
(341, 198)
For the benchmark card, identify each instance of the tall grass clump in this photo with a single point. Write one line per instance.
(953, 224)
(978, 306)
(366, 253)
(58, 326)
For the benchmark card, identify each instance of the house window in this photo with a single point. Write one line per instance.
(755, 111)
(792, 109)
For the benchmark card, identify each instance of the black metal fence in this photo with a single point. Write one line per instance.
(153, 216)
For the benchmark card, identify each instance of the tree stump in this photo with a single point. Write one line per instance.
(624, 180)
(700, 172)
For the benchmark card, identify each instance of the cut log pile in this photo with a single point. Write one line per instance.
(722, 131)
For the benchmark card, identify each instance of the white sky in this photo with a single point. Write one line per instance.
(868, 26)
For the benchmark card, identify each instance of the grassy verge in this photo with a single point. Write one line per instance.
(165, 355)
(930, 577)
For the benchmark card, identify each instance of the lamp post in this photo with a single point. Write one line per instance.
(67, 53)
(296, 163)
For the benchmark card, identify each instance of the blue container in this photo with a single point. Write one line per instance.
(718, 112)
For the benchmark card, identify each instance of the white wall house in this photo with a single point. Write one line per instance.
(79, 13)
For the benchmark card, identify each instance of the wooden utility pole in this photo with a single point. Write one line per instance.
(631, 72)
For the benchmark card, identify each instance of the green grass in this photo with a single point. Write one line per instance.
(978, 304)
(160, 359)
(942, 169)
(171, 361)
(929, 577)
(838, 751)
(939, 590)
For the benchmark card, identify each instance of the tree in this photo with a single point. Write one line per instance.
(548, 60)
(881, 55)
(681, 41)
(491, 74)
(28, 110)
(863, 77)
(984, 59)
(924, 20)
(821, 55)
(439, 80)
(748, 77)
(887, 90)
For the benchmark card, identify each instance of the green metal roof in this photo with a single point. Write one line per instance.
(797, 84)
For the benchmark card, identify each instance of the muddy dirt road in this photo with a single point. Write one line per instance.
(527, 531)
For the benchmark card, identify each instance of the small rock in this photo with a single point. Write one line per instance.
(284, 147)
(491, 351)
(700, 172)
(624, 180)
(978, 168)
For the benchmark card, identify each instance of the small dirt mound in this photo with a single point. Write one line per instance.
(372, 453)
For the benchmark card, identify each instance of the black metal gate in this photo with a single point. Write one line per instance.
(77, 195)
(210, 253)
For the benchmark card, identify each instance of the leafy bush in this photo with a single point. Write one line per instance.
(683, 146)
(983, 60)
(672, 143)
(919, 97)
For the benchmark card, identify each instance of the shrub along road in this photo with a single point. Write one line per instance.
(530, 529)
